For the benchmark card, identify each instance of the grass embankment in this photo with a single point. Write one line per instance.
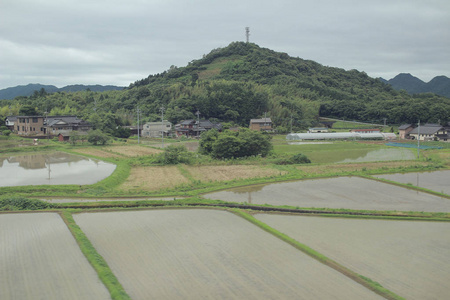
(367, 282)
(136, 175)
(95, 259)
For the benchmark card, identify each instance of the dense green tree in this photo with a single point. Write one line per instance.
(27, 110)
(121, 132)
(207, 140)
(96, 137)
(230, 144)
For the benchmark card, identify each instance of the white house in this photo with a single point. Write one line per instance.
(155, 129)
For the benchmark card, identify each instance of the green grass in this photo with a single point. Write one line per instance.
(95, 259)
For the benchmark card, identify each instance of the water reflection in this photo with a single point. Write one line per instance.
(51, 168)
(249, 190)
(340, 192)
(438, 181)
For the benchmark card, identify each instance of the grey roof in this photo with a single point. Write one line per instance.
(11, 118)
(426, 130)
(187, 122)
(72, 120)
(404, 126)
(263, 120)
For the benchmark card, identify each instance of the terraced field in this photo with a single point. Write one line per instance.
(40, 259)
(341, 192)
(201, 254)
(412, 259)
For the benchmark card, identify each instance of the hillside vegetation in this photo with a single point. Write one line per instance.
(240, 82)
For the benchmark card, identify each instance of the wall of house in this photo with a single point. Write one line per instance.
(29, 125)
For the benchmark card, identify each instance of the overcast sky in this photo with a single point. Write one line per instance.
(63, 42)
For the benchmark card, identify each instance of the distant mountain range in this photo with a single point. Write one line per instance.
(28, 90)
(439, 85)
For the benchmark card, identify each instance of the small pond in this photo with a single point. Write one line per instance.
(342, 192)
(438, 181)
(360, 155)
(52, 168)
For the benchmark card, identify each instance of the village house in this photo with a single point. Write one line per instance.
(404, 130)
(9, 122)
(192, 128)
(366, 130)
(29, 125)
(156, 129)
(430, 132)
(264, 124)
(47, 126)
(318, 130)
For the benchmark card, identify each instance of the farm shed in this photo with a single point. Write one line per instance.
(340, 135)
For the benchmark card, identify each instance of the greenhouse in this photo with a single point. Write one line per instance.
(341, 136)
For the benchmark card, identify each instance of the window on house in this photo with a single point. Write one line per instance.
(35, 120)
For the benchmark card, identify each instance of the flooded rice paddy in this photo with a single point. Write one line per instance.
(201, 254)
(438, 181)
(412, 259)
(40, 259)
(52, 169)
(342, 192)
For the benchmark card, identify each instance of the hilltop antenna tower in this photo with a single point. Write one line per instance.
(247, 33)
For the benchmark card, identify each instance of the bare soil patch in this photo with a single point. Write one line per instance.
(208, 254)
(154, 178)
(132, 150)
(412, 259)
(226, 173)
(40, 259)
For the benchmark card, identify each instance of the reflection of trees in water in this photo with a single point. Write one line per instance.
(249, 190)
(40, 161)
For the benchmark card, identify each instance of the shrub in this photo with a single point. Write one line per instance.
(294, 159)
(97, 137)
(175, 154)
(21, 203)
(6, 132)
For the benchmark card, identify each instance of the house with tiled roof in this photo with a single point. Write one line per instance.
(194, 128)
(404, 130)
(264, 124)
(430, 132)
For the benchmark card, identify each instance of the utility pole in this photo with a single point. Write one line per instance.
(418, 140)
(46, 125)
(198, 122)
(162, 124)
(291, 122)
(138, 113)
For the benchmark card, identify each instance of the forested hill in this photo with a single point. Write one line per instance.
(244, 81)
(439, 85)
(30, 89)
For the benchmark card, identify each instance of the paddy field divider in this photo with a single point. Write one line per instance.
(365, 281)
(105, 274)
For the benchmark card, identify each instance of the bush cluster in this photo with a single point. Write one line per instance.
(21, 203)
(298, 158)
(230, 144)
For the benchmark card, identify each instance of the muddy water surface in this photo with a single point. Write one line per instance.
(412, 259)
(438, 181)
(342, 192)
(52, 168)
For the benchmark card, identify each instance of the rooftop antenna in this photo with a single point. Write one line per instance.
(247, 33)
